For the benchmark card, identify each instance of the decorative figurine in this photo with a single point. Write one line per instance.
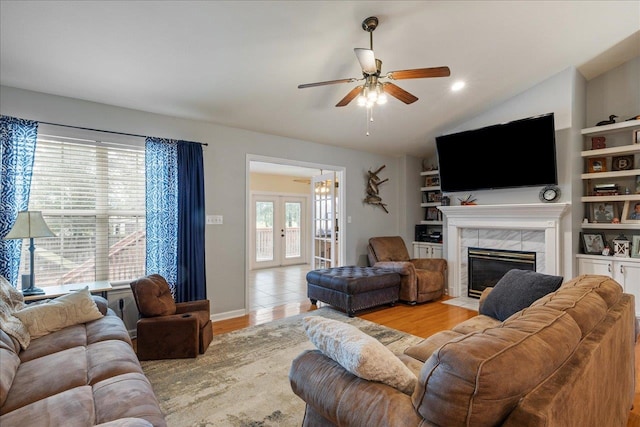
(612, 120)
(598, 142)
(468, 201)
(372, 189)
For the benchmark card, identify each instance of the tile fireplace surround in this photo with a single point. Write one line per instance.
(532, 227)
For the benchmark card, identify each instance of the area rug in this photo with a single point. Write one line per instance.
(242, 379)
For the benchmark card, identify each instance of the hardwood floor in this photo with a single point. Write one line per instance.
(422, 320)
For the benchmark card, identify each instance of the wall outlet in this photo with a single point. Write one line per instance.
(214, 219)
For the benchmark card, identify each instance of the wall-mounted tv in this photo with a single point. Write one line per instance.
(521, 153)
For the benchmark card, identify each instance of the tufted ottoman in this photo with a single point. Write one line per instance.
(353, 288)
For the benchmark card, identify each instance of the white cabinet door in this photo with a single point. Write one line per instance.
(427, 250)
(595, 266)
(627, 273)
(436, 251)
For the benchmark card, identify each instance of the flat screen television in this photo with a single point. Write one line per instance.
(520, 153)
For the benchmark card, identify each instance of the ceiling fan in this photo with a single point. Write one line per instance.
(373, 90)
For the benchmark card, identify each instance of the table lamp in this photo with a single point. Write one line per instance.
(30, 224)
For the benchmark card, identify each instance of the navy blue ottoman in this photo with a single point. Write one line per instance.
(353, 288)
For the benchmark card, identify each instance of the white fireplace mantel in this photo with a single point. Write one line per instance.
(534, 216)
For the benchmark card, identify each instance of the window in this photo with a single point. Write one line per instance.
(92, 196)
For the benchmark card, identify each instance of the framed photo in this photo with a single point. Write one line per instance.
(432, 181)
(631, 212)
(635, 247)
(636, 136)
(622, 163)
(432, 214)
(603, 212)
(593, 243)
(597, 164)
(433, 196)
(424, 197)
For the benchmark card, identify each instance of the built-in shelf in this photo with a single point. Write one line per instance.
(431, 222)
(612, 151)
(606, 226)
(610, 129)
(626, 181)
(613, 174)
(616, 198)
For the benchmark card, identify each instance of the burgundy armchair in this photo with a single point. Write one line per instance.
(166, 329)
(421, 279)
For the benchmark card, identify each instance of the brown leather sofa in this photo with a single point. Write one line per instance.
(166, 329)
(566, 360)
(421, 279)
(82, 375)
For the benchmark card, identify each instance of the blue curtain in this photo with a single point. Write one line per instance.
(175, 216)
(191, 223)
(18, 140)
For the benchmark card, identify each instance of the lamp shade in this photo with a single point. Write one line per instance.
(29, 224)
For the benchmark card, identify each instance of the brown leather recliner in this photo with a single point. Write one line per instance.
(421, 279)
(166, 329)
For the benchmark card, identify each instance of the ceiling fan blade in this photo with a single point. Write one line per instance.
(420, 73)
(330, 82)
(350, 96)
(399, 93)
(367, 60)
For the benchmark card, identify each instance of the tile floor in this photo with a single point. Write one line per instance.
(271, 287)
(465, 302)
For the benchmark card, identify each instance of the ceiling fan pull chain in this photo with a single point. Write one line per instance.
(367, 119)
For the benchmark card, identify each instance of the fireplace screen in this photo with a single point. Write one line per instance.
(487, 266)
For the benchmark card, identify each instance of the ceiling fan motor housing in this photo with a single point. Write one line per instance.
(370, 24)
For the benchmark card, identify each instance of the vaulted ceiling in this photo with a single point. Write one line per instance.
(238, 63)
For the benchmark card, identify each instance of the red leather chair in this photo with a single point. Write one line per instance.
(166, 329)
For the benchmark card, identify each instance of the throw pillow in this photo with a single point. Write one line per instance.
(517, 290)
(11, 300)
(359, 353)
(53, 315)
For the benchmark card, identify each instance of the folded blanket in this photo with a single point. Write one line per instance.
(11, 300)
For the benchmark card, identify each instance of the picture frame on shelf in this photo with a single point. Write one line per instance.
(432, 214)
(432, 181)
(636, 136)
(424, 197)
(631, 212)
(433, 196)
(603, 212)
(622, 163)
(597, 164)
(593, 243)
(635, 247)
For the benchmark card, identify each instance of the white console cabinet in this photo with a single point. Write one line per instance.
(427, 250)
(625, 271)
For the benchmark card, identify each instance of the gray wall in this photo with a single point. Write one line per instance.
(575, 102)
(226, 180)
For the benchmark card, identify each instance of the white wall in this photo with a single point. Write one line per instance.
(225, 179)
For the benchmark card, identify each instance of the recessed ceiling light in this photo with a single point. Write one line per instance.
(457, 85)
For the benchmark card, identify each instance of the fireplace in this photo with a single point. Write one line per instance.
(532, 227)
(487, 266)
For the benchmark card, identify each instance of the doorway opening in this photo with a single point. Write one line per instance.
(280, 221)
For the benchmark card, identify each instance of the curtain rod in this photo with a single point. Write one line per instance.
(113, 132)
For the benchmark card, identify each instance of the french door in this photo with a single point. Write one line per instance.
(278, 230)
(324, 221)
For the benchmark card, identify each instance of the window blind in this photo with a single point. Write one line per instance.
(92, 196)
